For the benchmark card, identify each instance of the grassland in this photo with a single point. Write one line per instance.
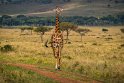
(10, 74)
(99, 56)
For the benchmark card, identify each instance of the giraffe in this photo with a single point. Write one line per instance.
(57, 40)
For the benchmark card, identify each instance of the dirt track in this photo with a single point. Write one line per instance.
(49, 74)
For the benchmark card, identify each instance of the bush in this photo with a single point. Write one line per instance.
(0, 26)
(109, 38)
(122, 45)
(122, 30)
(6, 48)
(75, 64)
(67, 57)
(81, 69)
(104, 30)
(94, 44)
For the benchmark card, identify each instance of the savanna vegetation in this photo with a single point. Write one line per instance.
(93, 51)
(22, 20)
(10, 74)
(98, 56)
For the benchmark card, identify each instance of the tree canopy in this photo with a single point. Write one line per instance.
(42, 29)
(82, 31)
(67, 26)
(6, 20)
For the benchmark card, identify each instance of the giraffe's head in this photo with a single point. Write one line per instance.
(58, 10)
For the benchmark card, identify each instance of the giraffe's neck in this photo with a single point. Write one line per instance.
(57, 29)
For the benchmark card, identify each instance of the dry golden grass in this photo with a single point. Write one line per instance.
(99, 56)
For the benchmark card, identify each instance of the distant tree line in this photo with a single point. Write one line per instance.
(39, 1)
(52, 1)
(6, 20)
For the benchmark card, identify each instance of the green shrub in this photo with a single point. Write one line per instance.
(6, 48)
(81, 69)
(75, 64)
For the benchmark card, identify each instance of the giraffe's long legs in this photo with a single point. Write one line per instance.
(56, 67)
(59, 63)
(59, 57)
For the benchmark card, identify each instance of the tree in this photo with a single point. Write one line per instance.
(42, 31)
(9, 1)
(66, 26)
(30, 28)
(116, 1)
(82, 32)
(108, 5)
(66, 0)
(89, 1)
(6, 20)
(22, 29)
(1, 21)
(46, 1)
(26, 28)
(6, 16)
(21, 17)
